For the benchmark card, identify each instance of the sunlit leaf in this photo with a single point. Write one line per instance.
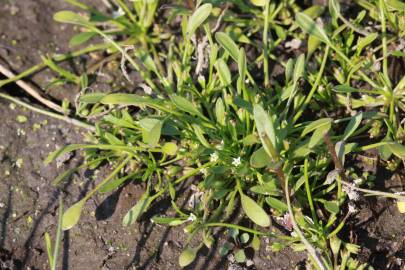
(318, 134)
(169, 148)
(277, 204)
(80, 38)
(266, 130)
(72, 215)
(259, 3)
(151, 130)
(397, 149)
(184, 105)
(228, 44)
(140, 207)
(260, 158)
(309, 26)
(187, 256)
(254, 211)
(354, 123)
(198, 17)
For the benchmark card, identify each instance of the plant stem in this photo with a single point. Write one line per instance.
(310, 249)
(234, 226)
(56, 58)
(50, 114)
(58, 235)
(309, 194)
(265, 44)
(194, 171)
(375, 192)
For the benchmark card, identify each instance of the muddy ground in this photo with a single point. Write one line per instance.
(28, 201)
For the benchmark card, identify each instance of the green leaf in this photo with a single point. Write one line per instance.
(289, 68)
(277, 204)
(334, 8)
(187, 256)
(72, 215)
(185, 105)
(242, 64)
(198, 17)
(249, 140)
(169, 148)
(70, 17)
(397, 149)
(316, 124)
(224, 73)
(199, 133)
(254, 211)
(129, 99)
(220, 112)
(354, 123)
(240, 256)
(267, 188)
(140, 207)
(309, 26)
(151, 130)
(318, 135)
(396, 5)
(259, 3)
(69, 148)
(362, 42)
(113, 184)
(332, 206)
(170, 221)
(228, 44)
(48, 246)
(260, 158)
(244, 238)
(92, 98)
(256, 243)
(313, 45)
(299, 67)
(265, 128)
(80, 38)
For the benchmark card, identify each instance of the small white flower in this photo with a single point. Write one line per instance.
(236, 162)
(192, 217)
(214, 157)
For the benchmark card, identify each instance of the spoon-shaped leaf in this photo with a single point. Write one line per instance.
(397, 149)
(266, 130)
(72, 215)
(318, 135)
(254, 211)
(137, 210)
(309, 26)
(187, 256)
(198, 17)
(260, 158)
(352, 126)
(151, 130)
(228, 44)
(259, 3)
(185, 105)
(70, 17)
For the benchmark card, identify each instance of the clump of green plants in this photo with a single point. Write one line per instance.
(212, 111)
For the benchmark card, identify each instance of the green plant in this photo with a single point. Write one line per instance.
(248, 140)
